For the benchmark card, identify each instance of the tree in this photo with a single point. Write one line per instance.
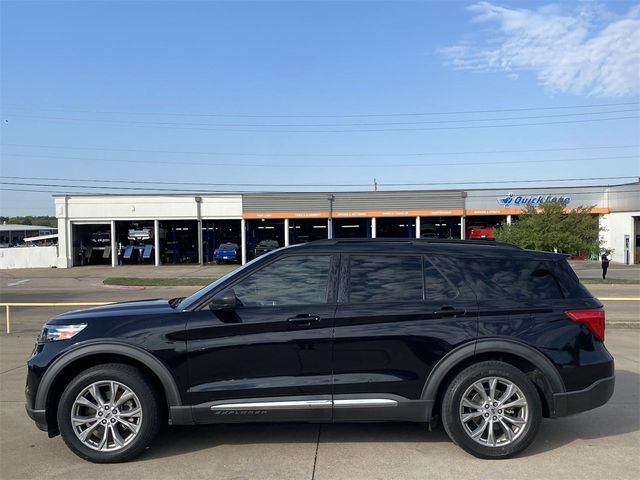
(549, 227)
(44, 220)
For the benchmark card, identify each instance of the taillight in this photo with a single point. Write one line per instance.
(593, 319)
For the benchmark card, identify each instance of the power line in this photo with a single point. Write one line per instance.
(102, 187)
(318, 165)
(68, 192)
(368, 130)
(351, 115)
(219, 192)
(490, 182)
(508, 181)
(137, 123)
(307, 154)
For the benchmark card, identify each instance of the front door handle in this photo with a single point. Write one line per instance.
(450, 312)
(303, 319)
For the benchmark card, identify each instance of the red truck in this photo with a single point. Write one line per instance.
(479, 231)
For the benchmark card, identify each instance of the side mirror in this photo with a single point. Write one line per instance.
(224, 300)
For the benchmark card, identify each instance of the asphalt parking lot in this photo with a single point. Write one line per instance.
(603, 443)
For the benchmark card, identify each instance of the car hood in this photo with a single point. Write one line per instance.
(140, 307)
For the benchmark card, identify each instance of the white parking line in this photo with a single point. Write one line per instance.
(19, 282)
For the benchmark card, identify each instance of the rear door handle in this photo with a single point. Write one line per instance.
(450, 312)
(303, 319)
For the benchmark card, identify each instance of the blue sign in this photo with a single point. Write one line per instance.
(512, 200)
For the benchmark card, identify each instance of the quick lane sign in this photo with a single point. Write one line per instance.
(512, 200)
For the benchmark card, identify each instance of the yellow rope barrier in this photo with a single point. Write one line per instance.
(41, 304)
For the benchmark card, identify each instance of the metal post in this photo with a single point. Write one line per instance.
(64, 260)
(463, 227)
(286, 232)
(69, 228)
(8, 315)
(156, 242)
(331, 197)
(508, 219)
(373, 227)
(114, 245)
(243, 240)
(418, 226)
(199, 212)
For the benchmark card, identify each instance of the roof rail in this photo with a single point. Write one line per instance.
(418, 241)
(334, 241)
(490, 243)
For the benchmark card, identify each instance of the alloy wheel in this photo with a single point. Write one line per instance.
(106, 416)
(494, 412)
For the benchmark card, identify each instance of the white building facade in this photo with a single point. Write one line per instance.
(165, 229)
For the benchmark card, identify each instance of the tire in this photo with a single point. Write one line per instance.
(129, 431)
(483, 418)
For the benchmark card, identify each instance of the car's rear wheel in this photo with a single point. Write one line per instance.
(108, 413)
(491, 410)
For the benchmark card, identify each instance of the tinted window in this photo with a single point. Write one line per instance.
(571, 286)
(385, 279)
(294, 280)
(513, 278)
(436, 287)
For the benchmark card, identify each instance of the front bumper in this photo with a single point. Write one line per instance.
(38, 416)
(226, 258)
(595, 395)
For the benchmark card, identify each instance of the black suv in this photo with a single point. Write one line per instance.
(487, 337)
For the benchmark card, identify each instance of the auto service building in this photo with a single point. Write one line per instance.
(161, 229)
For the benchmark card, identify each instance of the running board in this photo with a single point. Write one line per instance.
(274, 405)
(305, 404)
(315, 409)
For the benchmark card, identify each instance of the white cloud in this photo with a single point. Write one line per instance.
(587, 51)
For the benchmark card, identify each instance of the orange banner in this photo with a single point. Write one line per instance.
(518, 211)
(355, 214)
(393, 213)
(282, 215)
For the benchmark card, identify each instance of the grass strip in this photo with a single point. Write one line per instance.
(201, 281)
(612, 281)
(158, 282)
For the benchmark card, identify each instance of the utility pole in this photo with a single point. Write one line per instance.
(331, 197)
(199, 233)
(375, 185)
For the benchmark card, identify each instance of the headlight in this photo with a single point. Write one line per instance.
(53, 333)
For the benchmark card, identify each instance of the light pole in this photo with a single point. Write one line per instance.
(199, 233)
(331, 197)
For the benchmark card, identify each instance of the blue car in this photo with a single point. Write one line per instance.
(226, 252)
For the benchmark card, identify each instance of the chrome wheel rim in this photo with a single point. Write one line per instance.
(494, 412)
(106, 416)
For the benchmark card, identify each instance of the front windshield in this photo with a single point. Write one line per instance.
(195, 298)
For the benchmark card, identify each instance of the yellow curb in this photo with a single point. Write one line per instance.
(54, 304)
(619, 299)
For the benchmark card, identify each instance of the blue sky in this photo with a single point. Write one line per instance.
(160, 91)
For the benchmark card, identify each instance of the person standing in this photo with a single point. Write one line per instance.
(604, 260)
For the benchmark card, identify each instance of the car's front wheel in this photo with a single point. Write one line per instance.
(108, 413)
(491, 410)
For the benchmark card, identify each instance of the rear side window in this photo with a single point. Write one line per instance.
(385, 279)
(516, 279)
(436, 287)
(571, 286)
